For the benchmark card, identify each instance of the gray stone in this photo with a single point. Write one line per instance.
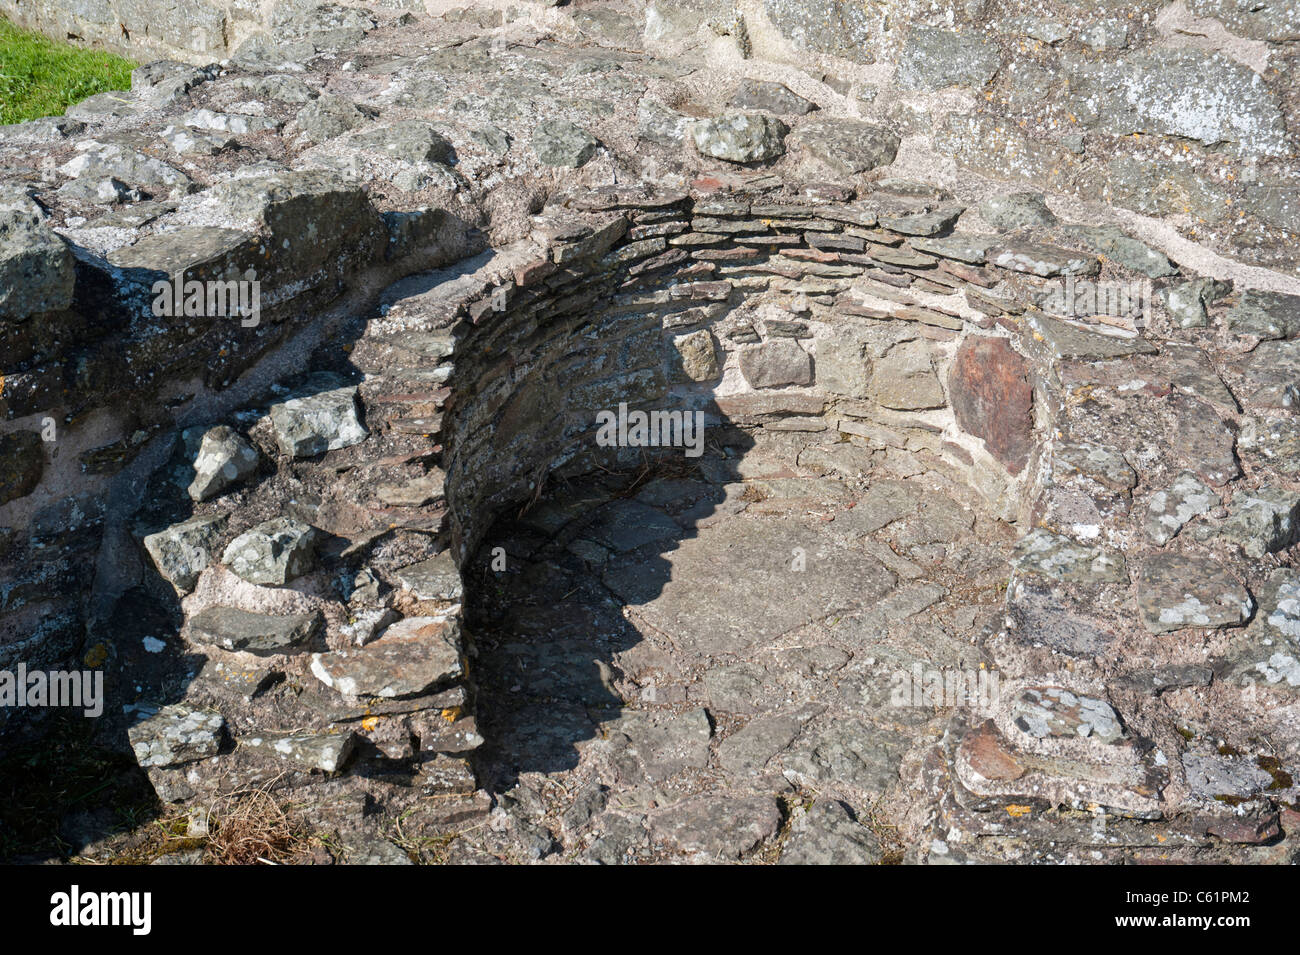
(666, 743)
(1124, 250)
(699, 356)
(329, 116)
(434, 579)
(36, 267)
(936, 57)
(847, 752)
(322, 417)
(108, 161)
(1069, 342)
(258, 633)
(827, 835)
(174, 735)
(773, 97)
(1059, 558)
(413, 655)
(1203, 441)
(1276, 440)
(22, 462)
(225, 458)
(1044, 261)
(274, 552)
(408, 140)
(1169, 510)
(843, 363)
(1103, 465)
(1262, 521)
(235, 123)
(182, 551)
(1274, 20)
(775, 364)
(717, 827)
(1177, 591)
(749, 749)
(624, 526)
(1016, 210)
(839, 27)
(1184, 93)
(1187, 301)
(320, 752)
(561, 143)
(1267, 315)
(848, 146)
(905, 379)
(660, 124)
(1055, 711)
(740, 137)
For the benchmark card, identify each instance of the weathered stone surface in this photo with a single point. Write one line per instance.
(827, 835)
(664, 742)
(182, 551)
(838, 27)
(322, 752)
(1169, 510)
(434, 579)
(1043, 260)
(176, 734)
(322, 417)
(259, 633)
(560, 143)
(992, 399)
(661, 124)
(773, 97)
(225, 458)
(413, 655)
(1014, 210)
(1103, 465)
(1183, 93)
(843, 363)
(1057, 557)
(1125, 250)
(1262, 521)
(417, 142)
(1268, 315)
(848, 752)
(698, 355)
(22, 462)
(1276, 440)
(718, 828)
(740, 137)
(1177, 591)
(1187, 301)
(1278, 21)
(1070, 342)
(1204, 442)
(935, 57)
(1055, 711)
(327, 117)
(905, 379)
(36, 268)
(775, 363)
(274, 552)
(848, 146)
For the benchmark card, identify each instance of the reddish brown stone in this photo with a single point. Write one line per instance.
(985, 752)
(1251, 829)
(991, 398)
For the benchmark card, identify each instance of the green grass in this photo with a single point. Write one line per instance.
(39, 77)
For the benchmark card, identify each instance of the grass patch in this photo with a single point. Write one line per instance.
(39, 77)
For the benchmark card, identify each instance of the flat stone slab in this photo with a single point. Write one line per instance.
(176, 734)
(437, 578)
(182, 551)
(1169, 510)
(411, 656)
(719, 827)
(827, 835)
(259, 633)
(702, 592)
(274, 552)
(322, 417)
(322, 752)
(1055, 711)
(1177, 591)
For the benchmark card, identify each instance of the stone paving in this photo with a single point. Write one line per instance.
(675, 667)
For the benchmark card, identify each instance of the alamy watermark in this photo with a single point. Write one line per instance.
(176, 298)
(73, 689)
(948, 687)
(651, 429)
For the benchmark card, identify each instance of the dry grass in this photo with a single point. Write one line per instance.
(252, 828)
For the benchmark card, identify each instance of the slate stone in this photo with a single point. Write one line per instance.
(740, 137)
(992, 399)
(177, 734)
(225, 459)
(1177, 591)
(1170, 509)
(182, 551)
(849, 146)
(258, 633)
(412, 656)
(274, 552)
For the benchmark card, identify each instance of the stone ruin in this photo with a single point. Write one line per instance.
(991, 317)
